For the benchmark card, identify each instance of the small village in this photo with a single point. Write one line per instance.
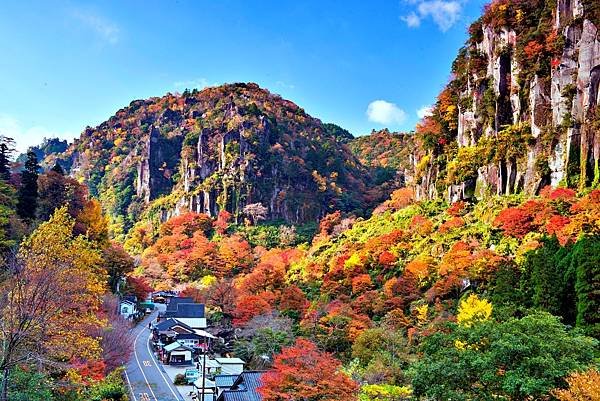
(185, 350)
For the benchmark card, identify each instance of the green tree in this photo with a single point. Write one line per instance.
(586, 264)
(516, 359)
(260, 350)
(7, 148)
(29, 385)
(28, 191)
(112, 388)
(7, 213)
(547, 279)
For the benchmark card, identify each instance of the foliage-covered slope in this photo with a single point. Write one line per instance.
(221, 148)
(521, 110)
(399, 297)
(384, 149)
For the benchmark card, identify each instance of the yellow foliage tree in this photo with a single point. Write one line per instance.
(75, 267)
(473, 310)
(93, 223)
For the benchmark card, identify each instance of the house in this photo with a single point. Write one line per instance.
(127, 308)
(171, 330)
(231, 366)
(185, 310)
(207, 387)
(245, 388)
(191, 339)
(222, 366)
(212, 367)
(167, 331)
(224, 382)
(174, 301)
(191, 314)
(177, 353)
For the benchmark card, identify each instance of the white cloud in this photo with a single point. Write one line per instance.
(386, 113)
(412, 20)
(105, 29)
(444, 13)
(424, 111)
(198, 83)
(26, 137)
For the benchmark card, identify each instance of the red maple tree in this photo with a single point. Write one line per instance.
(303, 373)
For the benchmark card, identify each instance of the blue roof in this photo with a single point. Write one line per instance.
(172, 305)
(167, 324)
(225, 380)
(245, 388)
(189, 310)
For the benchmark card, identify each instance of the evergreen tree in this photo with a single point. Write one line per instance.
(7, 148)
(586, 262)
(548, 281)
(28, 192)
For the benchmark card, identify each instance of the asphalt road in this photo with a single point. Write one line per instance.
(145, 377)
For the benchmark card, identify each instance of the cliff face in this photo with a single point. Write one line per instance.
(218, 149)
(521, 111)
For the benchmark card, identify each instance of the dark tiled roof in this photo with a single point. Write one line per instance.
(244, 388)
(189, 310)
(167, 324)
(172, 305)
(130, 298)
(225, 380)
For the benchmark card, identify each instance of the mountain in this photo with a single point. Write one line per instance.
(221, 148)
(388, 154)
(46, 151)
(521, 110)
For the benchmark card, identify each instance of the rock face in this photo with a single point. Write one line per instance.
(524, 65)
(155, 170)
(218, 149)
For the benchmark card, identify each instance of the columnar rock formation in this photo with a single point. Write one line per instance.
(542, 75)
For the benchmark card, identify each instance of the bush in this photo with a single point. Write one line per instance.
(179, 380)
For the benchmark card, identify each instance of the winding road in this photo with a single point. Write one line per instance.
(145, 377)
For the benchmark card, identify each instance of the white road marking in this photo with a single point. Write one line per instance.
(129, 384)
(159, 371)
(140, 366)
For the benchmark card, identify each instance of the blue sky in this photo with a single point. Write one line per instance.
(359, 64)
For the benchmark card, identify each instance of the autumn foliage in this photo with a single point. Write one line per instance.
(302, 372)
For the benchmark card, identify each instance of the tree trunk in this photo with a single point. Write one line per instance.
(4, 387)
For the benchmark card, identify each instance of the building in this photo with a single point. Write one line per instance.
(177, 353)
(186, 311)
(224, 382)
(191, 314)
(128, 308)
(230, 366)
(244, 388)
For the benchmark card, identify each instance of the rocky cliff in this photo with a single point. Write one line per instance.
(218, 149)
(521, 110)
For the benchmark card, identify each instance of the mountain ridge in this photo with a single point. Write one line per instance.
(221, 148)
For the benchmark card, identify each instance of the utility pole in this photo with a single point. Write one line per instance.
(204, 368)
